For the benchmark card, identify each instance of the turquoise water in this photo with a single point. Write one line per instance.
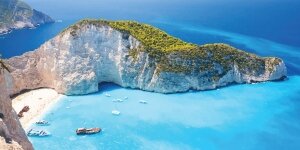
(252, 116)
(256, 116)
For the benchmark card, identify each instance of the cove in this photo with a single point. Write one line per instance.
(249, 116)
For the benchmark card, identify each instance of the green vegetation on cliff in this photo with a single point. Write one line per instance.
(174, 55)
(151, 37)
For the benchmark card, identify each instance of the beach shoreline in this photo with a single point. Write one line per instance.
(39, 101)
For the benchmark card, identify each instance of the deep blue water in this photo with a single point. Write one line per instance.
(260, 116)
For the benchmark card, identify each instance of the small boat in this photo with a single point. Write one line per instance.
(39, 133)
(107, 95)
(84, 131)
(116, 112)
(143, 102)
(117, 100)
(125, 98)
(42, 123)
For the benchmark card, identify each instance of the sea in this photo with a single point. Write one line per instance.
(259, 116)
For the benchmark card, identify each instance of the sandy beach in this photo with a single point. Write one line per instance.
(39, 102)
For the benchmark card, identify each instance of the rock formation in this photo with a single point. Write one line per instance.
(16, 14)
(10, 122)
(95, 51)
(12, 146)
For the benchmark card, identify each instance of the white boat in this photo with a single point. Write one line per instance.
(117, 100)
(107, 95)
(125, 98)
(42, 123)
(143, 102)
(87, 131)
(39, 133)
(116, 112)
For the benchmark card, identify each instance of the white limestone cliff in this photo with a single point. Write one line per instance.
(75, 63)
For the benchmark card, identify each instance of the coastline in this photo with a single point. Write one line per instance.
(5, 32)
(39, 102)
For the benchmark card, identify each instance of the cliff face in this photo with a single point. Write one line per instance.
(16, 14)
(11, 121)
(13, 146)
(83, 56)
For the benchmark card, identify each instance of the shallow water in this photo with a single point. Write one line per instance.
(250, 116)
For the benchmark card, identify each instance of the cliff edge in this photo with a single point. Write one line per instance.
(10, 126)
(135, 55)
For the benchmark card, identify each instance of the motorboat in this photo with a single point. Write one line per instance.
(116, 112)
(117, 100)
(143, 102)
(38, 133)
(42, 123)
(107, 95)
(87, 131)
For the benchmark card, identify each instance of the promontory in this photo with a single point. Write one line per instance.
(16, 14)
(135, 55)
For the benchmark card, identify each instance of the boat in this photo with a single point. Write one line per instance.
(38, 133)
(125, 97)
(84, 131)
(42, 123)
(117, 100)
(107, 95)
(143, 102)
(116, 112)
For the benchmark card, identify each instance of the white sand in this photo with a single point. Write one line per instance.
(39, 102)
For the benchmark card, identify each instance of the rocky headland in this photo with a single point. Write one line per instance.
(16, 14)
(135, 55)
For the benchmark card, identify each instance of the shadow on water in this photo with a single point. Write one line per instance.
(107, 87)
(104, 87)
